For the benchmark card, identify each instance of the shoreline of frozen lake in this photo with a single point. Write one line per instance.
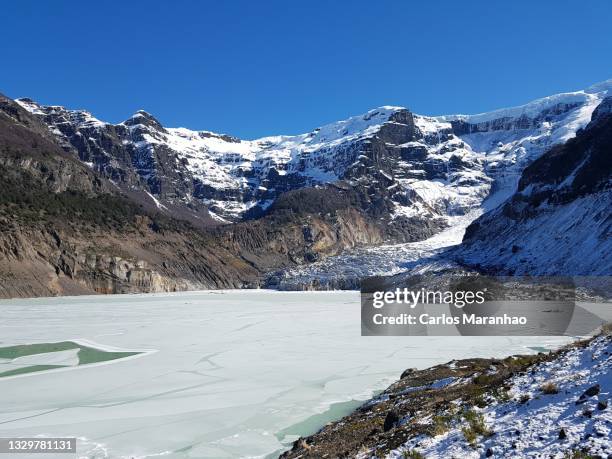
(235, 373)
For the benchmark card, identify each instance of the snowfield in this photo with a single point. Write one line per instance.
(229, 374)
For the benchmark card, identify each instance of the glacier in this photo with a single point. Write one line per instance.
(505, 141)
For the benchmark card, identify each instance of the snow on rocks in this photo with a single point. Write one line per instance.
(538, 421)
(489, 154)
(451, 163)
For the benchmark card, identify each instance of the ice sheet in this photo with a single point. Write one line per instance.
(232, 368)
(68, 358)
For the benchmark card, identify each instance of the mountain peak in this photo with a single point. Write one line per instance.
(145, 118)
(26, 100)
(30, 105)
(142, 112)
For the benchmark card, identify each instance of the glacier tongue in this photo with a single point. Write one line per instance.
(345, 271)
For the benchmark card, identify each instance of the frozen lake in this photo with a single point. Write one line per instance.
(228, 374)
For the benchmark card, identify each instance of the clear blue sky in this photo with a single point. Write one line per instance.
(254, 68)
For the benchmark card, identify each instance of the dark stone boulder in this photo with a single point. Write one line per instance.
(562, 434)
(602, 405)
(391, 421)
(407, 372)
(592, 391)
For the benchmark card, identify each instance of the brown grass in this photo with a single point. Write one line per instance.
(549, 388)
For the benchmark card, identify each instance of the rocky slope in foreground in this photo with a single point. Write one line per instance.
(547, 405)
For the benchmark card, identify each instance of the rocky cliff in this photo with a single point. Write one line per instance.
(66, 230)
(559, 220)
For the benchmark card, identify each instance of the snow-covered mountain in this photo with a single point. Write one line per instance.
(505, 142)
(418, 165)
(312, 205)
(559, 221)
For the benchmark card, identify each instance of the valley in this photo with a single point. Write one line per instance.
(95, 207)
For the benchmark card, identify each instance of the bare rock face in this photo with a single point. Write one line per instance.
(49, 265)
(38, 262)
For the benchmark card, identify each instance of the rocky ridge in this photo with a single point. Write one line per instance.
(413, 164)
(508, 142)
